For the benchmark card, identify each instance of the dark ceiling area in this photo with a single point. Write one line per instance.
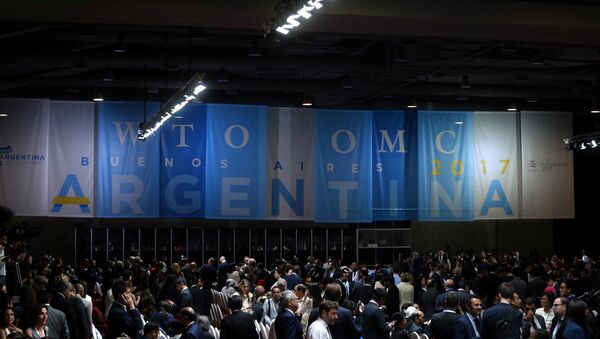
(350, 54)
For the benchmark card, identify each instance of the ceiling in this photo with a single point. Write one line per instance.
(351, 54)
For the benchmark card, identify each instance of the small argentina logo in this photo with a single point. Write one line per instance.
(5, 148)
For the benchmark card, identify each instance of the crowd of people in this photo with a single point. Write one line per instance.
(423, 295)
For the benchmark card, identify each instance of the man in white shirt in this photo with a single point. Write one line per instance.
(319, 329)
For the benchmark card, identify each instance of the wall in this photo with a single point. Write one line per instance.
(503, 235)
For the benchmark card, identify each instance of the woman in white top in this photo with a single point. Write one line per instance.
(305, 304)
(546, 310)
(247, 297)
(39, 329)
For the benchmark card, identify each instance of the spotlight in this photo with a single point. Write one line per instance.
(512, 107)
(412, 104)
(593, 143)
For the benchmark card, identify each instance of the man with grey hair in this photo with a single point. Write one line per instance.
(287, 326)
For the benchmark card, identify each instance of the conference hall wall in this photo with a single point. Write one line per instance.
(242, 162)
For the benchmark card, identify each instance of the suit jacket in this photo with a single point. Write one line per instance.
(536, 323)
(238, 325)
(555, 322)
(344, 327)
(84, 326)
(374, 326)
(202, 298)
(464, 328)
(498, 313)
(57, 323)
(193, 331)
(443, 325)
(185, 299)
(120, 320)
(392, 302)
(573, 331)
(407, 293)
(61, 303)
(427, 302)
(287, 326)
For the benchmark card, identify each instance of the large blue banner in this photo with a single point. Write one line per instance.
(445, 165)
(128, 169)
(343, 166)
(183, 151)
(236, 162)
(390, 150)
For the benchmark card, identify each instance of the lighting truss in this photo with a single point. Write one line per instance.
(186, 94)
(582, 142)
(288, 13)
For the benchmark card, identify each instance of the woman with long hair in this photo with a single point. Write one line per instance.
(39, 329)
(247, 297)
(8, 326)
(577, 327)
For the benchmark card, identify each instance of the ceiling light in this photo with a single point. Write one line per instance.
(152, 90)
(307, 101)
(108, 77)
(594, 109)
(120, 46)
(532, 100)
(185, 95)
(465, 84)
(583, 146)
(511, 107)
(458, 122)
(98, 97)
(400, 54)
(3, 115)
(593, 143)
(255, 51)
(222, 76)
(347, 82)
(536, 59)
(288, 13)
(412, 104)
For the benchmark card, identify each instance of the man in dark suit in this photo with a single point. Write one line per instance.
(468, 326)
(531, 321)
(239, 324)
(287, 326)
(559, 306)
(443, 324)
(201, 295)
(123, 317)
(427, 299)
(344, 327)
(61, 302)
(187, 318)
(493, 317)
(374, 326)
(185, 298)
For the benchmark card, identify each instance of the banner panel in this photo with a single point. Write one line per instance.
(389, 154)
(547, 169)
(445, 165)
(24, 156)
(71, 165)
(236, 162)
(183, 152)
(496, 165)
(343, 166)
(128, 169)
(290, 163)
